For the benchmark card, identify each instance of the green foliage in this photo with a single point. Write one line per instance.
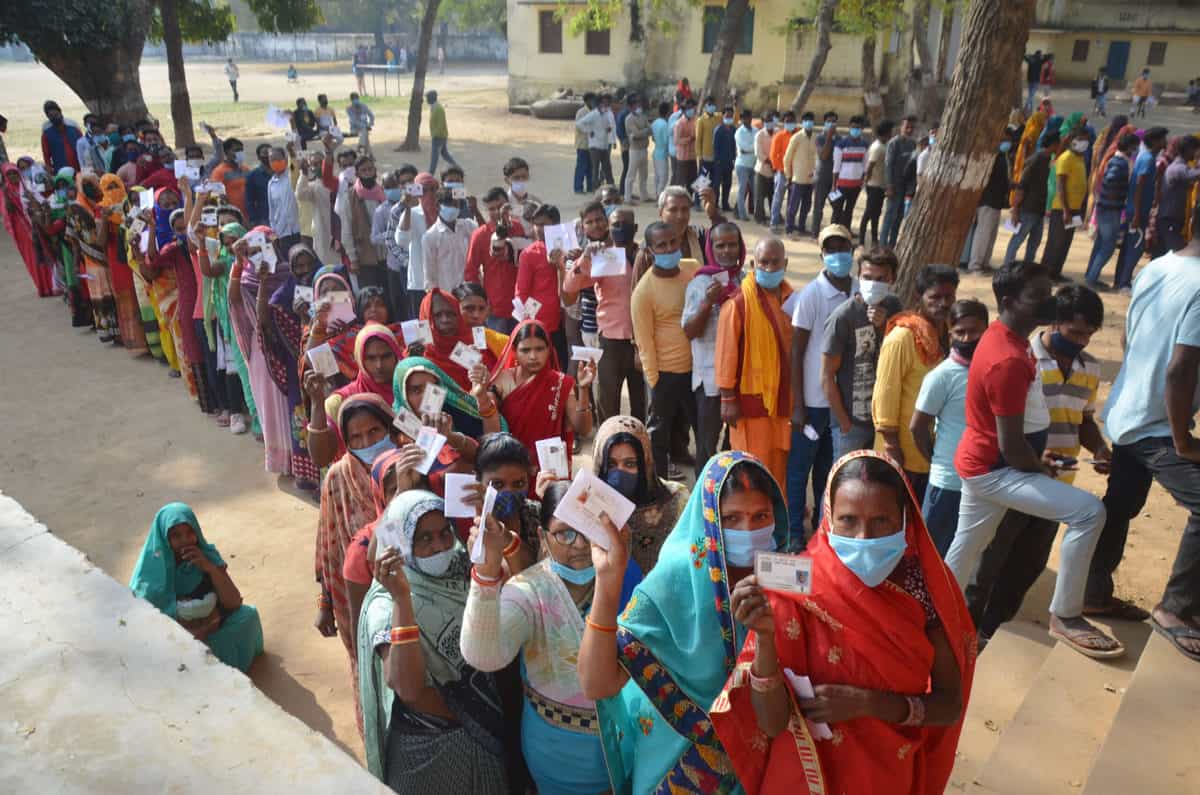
(356, 16)
(52, 26)
(199, 21)
(478, 14)
(660, 15)
(855, 17)
(286, 16)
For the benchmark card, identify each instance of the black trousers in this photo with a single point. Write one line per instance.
(685, 173)
(624, 168)
(799, 202)
(708, 427)
(722, 177)
(821, 189)
(1134, 467)
(616, 368)
(397, 289)
(1009, 568)
(1058, 243)
(670, 398)
(843, 208)
(762, 197)
(871, 215)
(601, 167)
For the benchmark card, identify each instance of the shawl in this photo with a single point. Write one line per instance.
(429, 186)
(462, 408)
(158, 577)
(1070, 123)
(375, 194)
(659, 502)
(363, 382)
(925, 336)
(1053, 124)
(678, 642)
(711, 267)
(846, 633)
(162, 218)
(374, 694)
(112, 192)
(14, 199)
(443, 344)
(763, 346)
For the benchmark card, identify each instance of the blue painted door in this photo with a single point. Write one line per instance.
(1118, 59)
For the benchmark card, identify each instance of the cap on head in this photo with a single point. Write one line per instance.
(834, 230)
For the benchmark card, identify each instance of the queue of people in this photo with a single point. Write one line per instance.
(920, 456)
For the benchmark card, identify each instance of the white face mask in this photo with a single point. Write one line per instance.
(438, 564)
(872, 291)
(1079, 146)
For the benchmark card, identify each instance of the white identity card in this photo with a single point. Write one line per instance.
(208, 216)
(303, 294)
(560, 237)
(458, 489)
(1076, 222)
(182, 169)
(802, 687)
(480, 337)
(432, 400)
(213, 246)
(408, 423)
(146, 200)
(722, 278)
(269, 257)
(465, 355)
(702, 183)
(582, 353)
(1008, 224)
(143, 241)
(834, 195)
(777, 571)
(415, 331)
(489, 502)
(458, 194)
(532, 306)
(322, 359)
(341, 308)
(431, 442)
(137, 226)
(609, 262)
(552, 457)
(413, 189)
(585, 500)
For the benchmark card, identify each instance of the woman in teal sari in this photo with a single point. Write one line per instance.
(657, 669)
(408, 385)
(184, 576)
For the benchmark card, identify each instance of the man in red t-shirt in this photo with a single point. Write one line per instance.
(493, 263)
(540, 275)
(1000, 469)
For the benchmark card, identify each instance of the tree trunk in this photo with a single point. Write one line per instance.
(922, 89)
(870, 82)
(993, 41)
(636, 31)
(181, 104)
(105, 77)
(943, 55)
(720, 63)
(824, 28)
(380, 44)
(412, 138)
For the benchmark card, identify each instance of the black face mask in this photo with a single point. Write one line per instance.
(621, 235)
(91, 191)
(1046, 311)
(367, 182)
(965, 349)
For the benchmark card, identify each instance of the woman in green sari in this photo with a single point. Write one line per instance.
(184, 576)
(656, 670)
(411, 377)
(218, 326)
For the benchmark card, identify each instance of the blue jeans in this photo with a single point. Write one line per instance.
(940, 510)
(1108, 232)
(1031, 225)
(777, 199)
(859, 437)
(1033, 89)
(1131, 253)
(1102, 104)
(892, 218)
(439, 148)
(745, 192)
(583, 171)
(805, 457)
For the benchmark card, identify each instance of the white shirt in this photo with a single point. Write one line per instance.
(922, 159)
(816, 303)
(444, 253)
(231, 71)
(282, 210)
(397, 255)
(413, 238)
(762, 152)
(314, 192)
(599, 128)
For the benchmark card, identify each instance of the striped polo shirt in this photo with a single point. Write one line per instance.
(850, 161)
(1068, 398)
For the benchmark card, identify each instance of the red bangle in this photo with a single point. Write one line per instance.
(486, 582)
(324, 602)
(765, 684)
(402, 635)
(513, 546)
(599, 627)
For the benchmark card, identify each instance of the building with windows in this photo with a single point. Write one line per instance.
(1122, 37)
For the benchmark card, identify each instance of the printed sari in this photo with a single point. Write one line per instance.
(875, 638)
(20, 227)
(678, 642)
(129, 318)
(95, 262)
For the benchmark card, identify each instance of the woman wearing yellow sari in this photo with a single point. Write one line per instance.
(1028, 145)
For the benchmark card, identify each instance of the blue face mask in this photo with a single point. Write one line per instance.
(740, 545)
(871, 559)
(1005, 146)
(394, 194)
(690, 112)
(368, 454)
(710, 108)
(855, 132)
(838, 263)
(573, 576)
(448, 214)
(507, 504)
(768, 280)
(789, 126)
(1063, 346)
(668, 261)
(622, 481)
(807, 124)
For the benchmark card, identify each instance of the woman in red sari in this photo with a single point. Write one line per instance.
(535, 397)
(18, 224)
(885, 638)
(448, 328)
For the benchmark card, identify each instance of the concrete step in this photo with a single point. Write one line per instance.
(1152, 745)
(1052, 740)
(1004, 672)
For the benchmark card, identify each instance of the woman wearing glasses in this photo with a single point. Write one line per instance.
(540, 614)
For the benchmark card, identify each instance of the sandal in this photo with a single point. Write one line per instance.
(1120, 609)
(1090, 642)
(1175, 634)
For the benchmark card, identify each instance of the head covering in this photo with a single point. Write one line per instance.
(303, 248)
(1070, 123)
(508, 359)
(711, 267)
(158, 577)
(163, 232)
(234, 230)
(1054, 123)
(368, 400)
(623, 429)
(462, 408)
(834, 230)
(429, 185)
(15, 191)
(678, 641)
(443, 344)
(65, 173)
(363, 382)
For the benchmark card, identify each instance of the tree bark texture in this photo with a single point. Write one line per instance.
(922, 88)
(870, 81)
(993, 41)
(716, 83)
(824, 28)
(181, 104)
(944, 41)
(105, 77)
(412, 137)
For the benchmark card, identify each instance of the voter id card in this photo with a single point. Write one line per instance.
(779, 572)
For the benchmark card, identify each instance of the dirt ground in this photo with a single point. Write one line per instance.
(98, 441)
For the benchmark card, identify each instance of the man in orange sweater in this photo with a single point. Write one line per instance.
(779, 145)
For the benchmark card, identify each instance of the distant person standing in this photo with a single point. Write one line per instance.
(441, 58)
(356, 65)
(1048, 77)
(660, 130)
(1143, 89)
(59, 139)
(232, 74)
(1033, 75)
(438, 132)
(1100, 93)
(362, 119)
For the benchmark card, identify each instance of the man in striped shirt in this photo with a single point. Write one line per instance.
(1069, 380)
(849, 165)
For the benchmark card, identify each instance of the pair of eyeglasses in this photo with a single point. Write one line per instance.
(567, 537)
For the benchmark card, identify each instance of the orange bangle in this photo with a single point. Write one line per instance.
(401, 635)
(483, 581)
(324, 602)
(513, 546)
(599, 627)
